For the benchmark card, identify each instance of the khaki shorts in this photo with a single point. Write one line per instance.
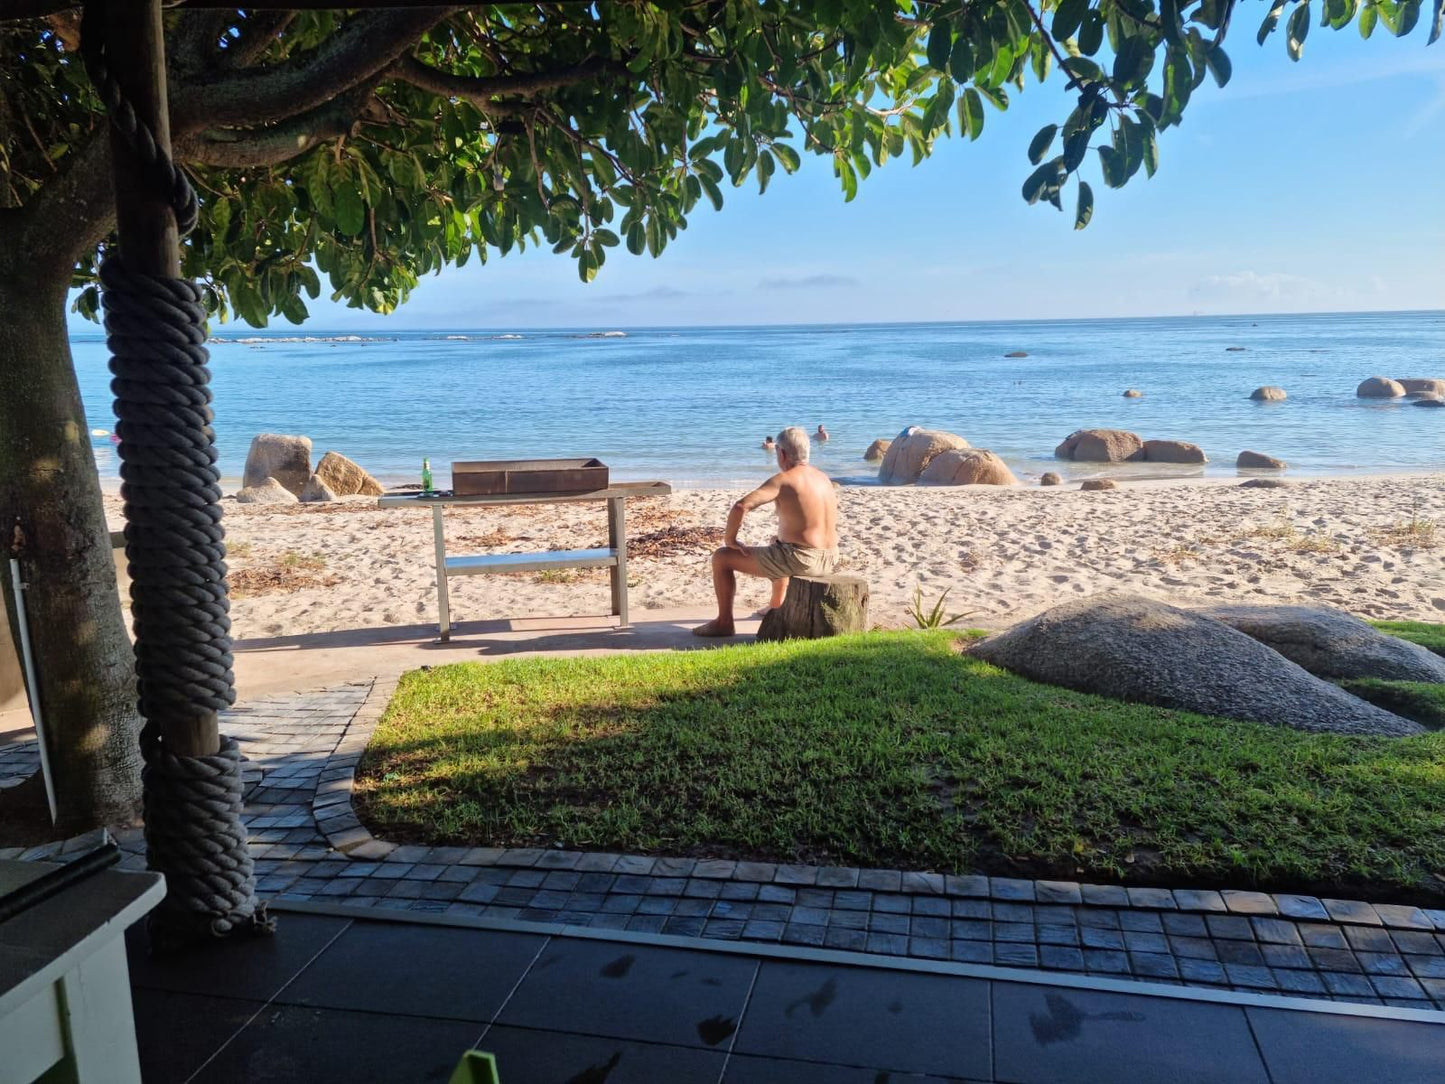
(784, 559)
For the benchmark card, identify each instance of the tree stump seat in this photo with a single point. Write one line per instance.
(818, 606)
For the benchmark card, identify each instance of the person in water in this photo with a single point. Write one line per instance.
(821, 436)
(807, 541)
(768, 444)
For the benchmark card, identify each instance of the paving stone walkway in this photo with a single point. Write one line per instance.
(308, 844)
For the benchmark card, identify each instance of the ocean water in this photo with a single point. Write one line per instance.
(691, 405)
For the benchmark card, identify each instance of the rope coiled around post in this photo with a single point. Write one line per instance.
(175, 546)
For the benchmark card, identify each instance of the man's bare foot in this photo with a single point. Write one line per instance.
(764, 611)
(715, 628)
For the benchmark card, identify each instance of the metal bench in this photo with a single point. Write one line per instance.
(613, 556)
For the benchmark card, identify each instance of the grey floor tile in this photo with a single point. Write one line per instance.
(1320, 1048)
(525, 1056)
(1045, 1035)
(754, 1070)
(884, 1020)
(633, 992)
(176, 1033)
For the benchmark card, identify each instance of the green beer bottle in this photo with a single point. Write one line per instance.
(426, 476)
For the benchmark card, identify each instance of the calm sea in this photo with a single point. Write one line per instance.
(692, 405)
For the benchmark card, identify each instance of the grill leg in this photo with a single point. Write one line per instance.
(444, 616)
(617, 539)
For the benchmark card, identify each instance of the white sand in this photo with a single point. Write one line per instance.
(1001, 553)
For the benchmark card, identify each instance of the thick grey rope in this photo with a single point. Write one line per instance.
(175, 545)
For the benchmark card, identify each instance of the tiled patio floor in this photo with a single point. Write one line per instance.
(345, 997)
(309, 846)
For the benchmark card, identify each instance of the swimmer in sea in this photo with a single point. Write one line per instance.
(768, 444)
(821, 436)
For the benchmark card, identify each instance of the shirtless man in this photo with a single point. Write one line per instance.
(807, 542)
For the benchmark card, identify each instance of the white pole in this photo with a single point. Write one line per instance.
(31, 688)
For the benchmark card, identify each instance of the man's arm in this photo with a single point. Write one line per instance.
(766, 493)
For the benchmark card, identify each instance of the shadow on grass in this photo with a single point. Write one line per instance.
(893, 750)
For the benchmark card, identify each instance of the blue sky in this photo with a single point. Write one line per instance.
(1300, 187)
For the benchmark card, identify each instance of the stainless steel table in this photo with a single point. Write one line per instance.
(613, 556)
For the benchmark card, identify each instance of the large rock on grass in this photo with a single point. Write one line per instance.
(1331, 643)
(1135, 649)
(268, 491)
(967, 467)
(346, 478)
(1101, 446)
(1173, 451)
(284, 458)
(1380, 387)
(911, 452)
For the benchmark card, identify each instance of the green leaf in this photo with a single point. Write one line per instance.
(1369, 14)
(1113, 167)
(1086, 206)
(940, 46)
(637, 238)
(1067, 18)
(1219, 65)
(786, 155)
(970, 113)
(1091, 34)
(1150, 152)
(1437, 22)
(350, 211)
(1409, 16)
(1298, 29)
(586, 266)
(1271, 20)
(1042, 142)
(848, 177)
(711, 190)
(765, 170)
(1041, 180)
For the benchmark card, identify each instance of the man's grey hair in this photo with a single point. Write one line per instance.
(794, 444)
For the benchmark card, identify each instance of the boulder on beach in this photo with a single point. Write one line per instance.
(967, 467)
(911, 451)
(1101, 446)
(1268, 394)
(1429, 401)
(1093, 485)
(267, 491)
(1133, 393)
(1423, 386)
(1380, 387)
(1173, 451)
(276, 455)
(1331, 643)
(876, 451)
(1051, 479)
(1135, 649)
(1264, 483)
(1017, 354)
(317, 491)
(1259, 461)
(345, 478)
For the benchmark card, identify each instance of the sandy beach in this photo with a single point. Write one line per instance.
(1373, 546)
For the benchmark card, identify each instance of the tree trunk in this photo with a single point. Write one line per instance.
(818, 606)
(53, 520)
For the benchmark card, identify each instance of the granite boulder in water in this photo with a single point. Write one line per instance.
(967, 467)
(1380, 387)
(1331, 643)
(1101, 446)
(911, 452)
(1423, 386)
(1135, 649)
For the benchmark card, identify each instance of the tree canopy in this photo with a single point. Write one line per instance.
(376, 146)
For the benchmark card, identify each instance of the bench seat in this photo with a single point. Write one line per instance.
(483, 563)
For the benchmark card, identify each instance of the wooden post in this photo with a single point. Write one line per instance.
(818, 606)
(149, 240)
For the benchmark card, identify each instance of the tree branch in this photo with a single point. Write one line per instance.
(258, 33)
(364, 47)
(79, 198)
(196, 39)
(480, 90)
(245, 148)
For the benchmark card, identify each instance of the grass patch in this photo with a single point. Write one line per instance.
(1424, 633)
(1422, 701)
(894, 750)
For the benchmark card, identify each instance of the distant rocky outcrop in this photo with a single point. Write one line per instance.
(316, 491)
(1173, 451)
(1268, 394)
(1133, 393)
(1235, 349)
(1101, 446)
(1095, 484)
(1051, 479)
(1259, 461)
(876, 451)
(1017, 354)
(267, 491)
(967, 467)
(1135, 649)
(911, 452)
(1423, 386)
(284, 458)
(1380, 387)
(1331, 643)
(346, 478)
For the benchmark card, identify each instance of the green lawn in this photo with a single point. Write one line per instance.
(1423, 633)
(894, 750)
